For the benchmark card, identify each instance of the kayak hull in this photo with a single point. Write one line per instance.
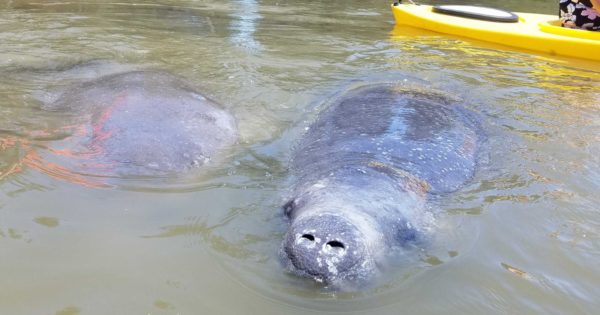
(537, 32)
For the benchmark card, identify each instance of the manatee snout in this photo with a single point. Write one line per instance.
(327, 248)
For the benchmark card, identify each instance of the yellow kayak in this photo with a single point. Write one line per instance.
(538, 32)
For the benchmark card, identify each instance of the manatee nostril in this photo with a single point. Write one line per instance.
(308, 237)
(336, 244)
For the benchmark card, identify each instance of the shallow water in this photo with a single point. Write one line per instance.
(523, 237)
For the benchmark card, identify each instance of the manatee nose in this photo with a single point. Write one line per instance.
(324, 247)
(333, 244)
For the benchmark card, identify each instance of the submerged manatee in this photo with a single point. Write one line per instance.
(364, 170)
(138, 123)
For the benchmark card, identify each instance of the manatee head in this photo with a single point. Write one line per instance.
(332, 240)
(329, 248)
(340, 235)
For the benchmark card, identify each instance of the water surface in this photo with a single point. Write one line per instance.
(522, 238)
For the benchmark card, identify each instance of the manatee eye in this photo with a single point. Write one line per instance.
(288, 207)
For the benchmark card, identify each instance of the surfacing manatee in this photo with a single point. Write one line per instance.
(363, 172)
(135, 124)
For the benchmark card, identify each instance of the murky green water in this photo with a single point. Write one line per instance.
(522, 238)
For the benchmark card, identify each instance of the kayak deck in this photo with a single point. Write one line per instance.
(538, 32)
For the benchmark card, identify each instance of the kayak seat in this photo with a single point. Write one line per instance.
(554, 27)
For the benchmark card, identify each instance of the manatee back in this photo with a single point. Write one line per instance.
(145, 123)
(396, 129)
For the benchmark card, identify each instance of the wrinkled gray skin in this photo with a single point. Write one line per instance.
(364, 170)
(144, 123)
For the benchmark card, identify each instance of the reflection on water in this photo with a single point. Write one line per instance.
(522, 237)
(243, 25)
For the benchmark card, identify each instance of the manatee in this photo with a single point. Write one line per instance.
(363, 174)
(134, 124)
